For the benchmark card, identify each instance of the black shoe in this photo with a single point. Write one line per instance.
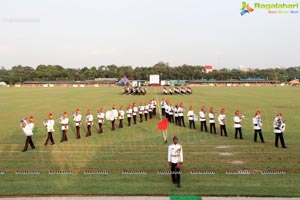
(52, 143)
(61, 141)
(284, 147)
(32, 147)
(276, 146)
(166, 141)
(178, 185)
(24, 150)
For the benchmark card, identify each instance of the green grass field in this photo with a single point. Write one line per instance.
(140, 148)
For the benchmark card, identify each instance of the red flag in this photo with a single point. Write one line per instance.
(163, 125)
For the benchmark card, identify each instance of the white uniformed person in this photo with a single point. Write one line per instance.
(166, 106)
(89, 122)
(141, 111)
(134, 112)
(64, 121)
(129, 114)
(257, 126)
(49, 124)
(165, 91)
(237, 124)
(100, 116)
(27, 128)
(114, 117)
(153, 102)
(146, 110)
(222, 122)
(175, 159)
(77, 118)
(279, 128)
(170, 91)
(181, 115)
(212, 124)
(171, 113)
(121, 116)
(202, 116)
(150, 109)
(176, 114)
(162, 105)
(190, 116)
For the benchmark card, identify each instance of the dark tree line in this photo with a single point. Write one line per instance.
(19, 74)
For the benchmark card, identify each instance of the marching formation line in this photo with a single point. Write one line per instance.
(159, 161)
(147, 152)
(143, 145)
(158, 171)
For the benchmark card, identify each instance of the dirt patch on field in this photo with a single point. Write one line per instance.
(226, 154)
(222, 147)
(237, 162)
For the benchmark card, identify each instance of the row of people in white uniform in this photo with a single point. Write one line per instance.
(148, 108)
(171, 111)
(143, 110)
(174, 114)
(177, 90)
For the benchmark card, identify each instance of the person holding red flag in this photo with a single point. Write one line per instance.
(163, 125)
